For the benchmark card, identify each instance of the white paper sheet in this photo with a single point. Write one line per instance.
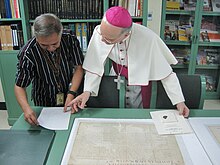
(54, 118)
(170, 122)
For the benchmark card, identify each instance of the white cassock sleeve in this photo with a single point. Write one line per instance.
(91, 83)
(173, 89)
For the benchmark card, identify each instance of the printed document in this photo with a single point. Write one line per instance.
(170, 122)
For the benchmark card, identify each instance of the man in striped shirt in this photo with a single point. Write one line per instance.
(50, 61)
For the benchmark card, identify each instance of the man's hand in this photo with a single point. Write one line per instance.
(79, 102)
(31, 117)
(183, 109)
(69, 98)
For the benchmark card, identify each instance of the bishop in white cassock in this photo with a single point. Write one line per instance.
(137, 53)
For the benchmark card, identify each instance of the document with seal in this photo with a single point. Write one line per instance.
(170, 122)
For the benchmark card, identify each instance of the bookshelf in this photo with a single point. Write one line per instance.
(8, 57)
(191, 29)
(71, 13)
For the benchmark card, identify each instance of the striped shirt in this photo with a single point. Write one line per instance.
(33, 67)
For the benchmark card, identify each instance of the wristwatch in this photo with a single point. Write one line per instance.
(72, 93)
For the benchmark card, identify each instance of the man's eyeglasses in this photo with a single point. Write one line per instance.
(107, 40)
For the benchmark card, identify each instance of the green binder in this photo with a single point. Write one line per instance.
(25, 147)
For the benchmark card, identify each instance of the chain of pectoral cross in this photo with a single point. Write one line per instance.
(119, 81)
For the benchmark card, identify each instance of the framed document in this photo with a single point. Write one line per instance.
(129, 141)
(208, 131)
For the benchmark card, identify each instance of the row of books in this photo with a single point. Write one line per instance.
(210, 29)
(11, 37)
(83, 32)
(210, 83)
(208, 57)
(209, 36)
(9, 9)
(135, 7)
(211, 5)
(177, 30)
(67, 9)
(190, 5)
(182, 54)
(181, 5)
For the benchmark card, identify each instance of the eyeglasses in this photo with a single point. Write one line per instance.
(50, 43)
(49, 47)
(107, 40)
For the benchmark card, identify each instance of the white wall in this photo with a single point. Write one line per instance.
(2, 99)
(154, 7)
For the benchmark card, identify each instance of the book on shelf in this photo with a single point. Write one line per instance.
(15, 36)
(84, 37)
(171, 27)
(79, 33)
(209, 35)
(72, 29)
(9, 9)
(134, 7)
(206, 5)
(190, 5)
(204, 36)
(4, 43)
(11, 37)
(173, 5)
(212, 56)
(181, 54)
(66, 29)
(210, 83)
(208, 56)
(184, 32)
(209, 23)
(182, 36)
(139, 8)
(201, 58)
(16, 8)
(67, 9)
(214, 36)
(216, 5)
(180, 29)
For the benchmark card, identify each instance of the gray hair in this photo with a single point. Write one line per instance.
(47, 24)
(123, 30)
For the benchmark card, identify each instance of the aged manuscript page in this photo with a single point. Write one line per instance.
(125, 142)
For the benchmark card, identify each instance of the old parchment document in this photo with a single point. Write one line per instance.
(123, 144)
(215, 130)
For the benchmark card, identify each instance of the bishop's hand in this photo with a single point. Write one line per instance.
(79, 102)
(183, 109)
